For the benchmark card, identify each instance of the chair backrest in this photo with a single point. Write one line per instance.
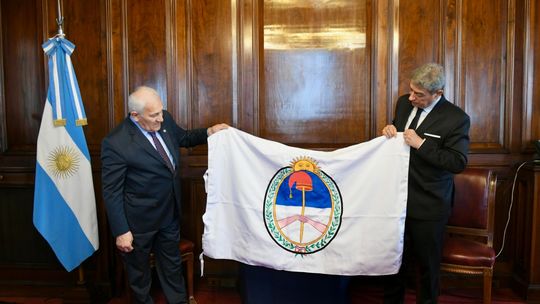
(474, 201)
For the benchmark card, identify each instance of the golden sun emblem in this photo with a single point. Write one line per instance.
(305, 163)
(63, 162)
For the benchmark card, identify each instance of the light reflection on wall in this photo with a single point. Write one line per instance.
(278, 37)
(310, 3)
(315, 54)
(314, 24)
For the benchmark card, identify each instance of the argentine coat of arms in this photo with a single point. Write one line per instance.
(302, 207)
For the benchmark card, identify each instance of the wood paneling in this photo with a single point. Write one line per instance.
(317, 74)
(526, 224)
(178, 59)
(24, 93)
(315, 63)
(146, 51)
(420, 24)
(116, 38)
(483, 71)
(450, 49)
(21, 245)
(531, 121)
(211, 100)
(383, 61)
(248, 42)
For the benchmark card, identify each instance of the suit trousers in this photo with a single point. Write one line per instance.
(423, 246)
(164, 244)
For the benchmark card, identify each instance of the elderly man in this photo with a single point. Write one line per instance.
(141, 188)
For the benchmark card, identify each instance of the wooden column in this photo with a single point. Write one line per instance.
(526, 233)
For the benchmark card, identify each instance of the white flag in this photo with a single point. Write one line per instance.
(286, 208)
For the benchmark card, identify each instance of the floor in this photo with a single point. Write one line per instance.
(359, 294)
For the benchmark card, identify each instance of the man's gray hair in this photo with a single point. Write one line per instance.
(136, 103)
(429, 77)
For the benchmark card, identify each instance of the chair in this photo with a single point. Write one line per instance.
(468, 247)
(186, 249)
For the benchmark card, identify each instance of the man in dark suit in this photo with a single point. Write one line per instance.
(438, 133)
(141, 189)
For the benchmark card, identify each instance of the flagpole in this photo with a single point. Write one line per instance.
(60, 20)
(81, 280)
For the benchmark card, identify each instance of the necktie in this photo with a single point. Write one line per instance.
(161, 151)
(414, 122)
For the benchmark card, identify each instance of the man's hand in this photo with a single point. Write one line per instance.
(412, 139)
(216, 128)
(389, 131)
(124, 242)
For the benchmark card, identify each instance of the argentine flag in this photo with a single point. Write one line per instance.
(64, 200)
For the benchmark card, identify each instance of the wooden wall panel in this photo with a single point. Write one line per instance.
(383, 62)
(116, 38)
(420, 24)
(146, 49)
(483, 72)
(180, 60)
(24, 93)
(451, 48)
(531, 122)
(22, 246)
(248, 41)
(316, 73)
(211, 42)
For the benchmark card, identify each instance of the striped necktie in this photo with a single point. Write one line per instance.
(161, 151)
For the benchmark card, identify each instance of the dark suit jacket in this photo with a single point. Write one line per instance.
(137, 185)
(432, 166)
